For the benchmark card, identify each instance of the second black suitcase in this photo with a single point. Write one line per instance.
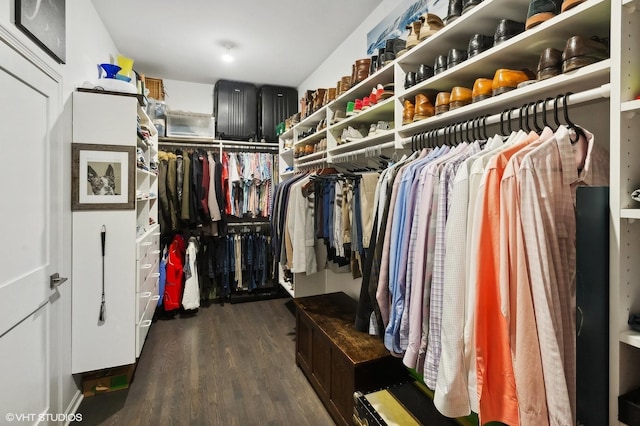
(276, 104)
(235, 107)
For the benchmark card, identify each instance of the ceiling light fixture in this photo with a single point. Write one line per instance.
(227, 57)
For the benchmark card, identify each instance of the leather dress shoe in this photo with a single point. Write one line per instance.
(506, 29)
(505, 80)
(454, 11)
(409, 79)
(460, 96)
(568, 4)
(581, 51)
(431, 24)
(424, 108)
(482, 89)
(440, 64)
(540, 11)
(442, 102)
(550, 63)
(455, 57)
(467, 5)
(424, 72)
(408, 112)
(478, 44)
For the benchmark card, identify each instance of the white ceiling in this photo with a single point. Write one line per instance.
(276, 42)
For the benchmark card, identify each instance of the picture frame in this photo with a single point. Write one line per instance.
(44, 22)
(102, 177)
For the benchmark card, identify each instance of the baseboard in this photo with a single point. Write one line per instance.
(73, 406)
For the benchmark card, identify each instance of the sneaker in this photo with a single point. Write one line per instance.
(382, 126)
(372, 129)
(338, 116)
(355, 134)
(365, 103)
(350, 108)
(358, 106)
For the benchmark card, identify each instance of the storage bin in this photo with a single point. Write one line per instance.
(189, 125)
(629, 408)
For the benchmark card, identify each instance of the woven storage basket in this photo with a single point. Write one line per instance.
(156, 88)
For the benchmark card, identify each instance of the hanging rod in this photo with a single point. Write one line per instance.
(601, 92)
(220, 144)
(249, 223)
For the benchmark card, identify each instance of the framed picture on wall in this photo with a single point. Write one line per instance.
(102, 177)
(44, 22)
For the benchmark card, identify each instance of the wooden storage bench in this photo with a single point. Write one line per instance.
(336, 358)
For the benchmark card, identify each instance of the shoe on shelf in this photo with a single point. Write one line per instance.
(540, 11)
(409, 79)
(423, 107)
(460, 96)
(431, 24)
(387, 91)
(361, 67)
(506, 29)
(365, 103)
(414, 34)
(478, 44)
(424, 72)
(372, 129)
(442, 102)
(338, 116)
(350, 109)
(581, 51)
(440, 64)
(506, 80)
(373, 97)
(353, 134)
(382, 126)
(455, 57)
(568, 4)
(357, 106)
(408, 112)
(467, 5)
(482, 89)
(454, 11)
(550, 63)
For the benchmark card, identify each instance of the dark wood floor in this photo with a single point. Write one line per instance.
(228, 365)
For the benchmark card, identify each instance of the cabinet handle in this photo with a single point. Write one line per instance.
(145, 324)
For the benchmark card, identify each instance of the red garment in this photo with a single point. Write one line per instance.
(174, 279)
(225, 182)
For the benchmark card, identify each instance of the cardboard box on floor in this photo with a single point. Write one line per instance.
(108, 380)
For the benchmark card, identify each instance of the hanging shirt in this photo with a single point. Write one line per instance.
(548, 179)
(191, 295)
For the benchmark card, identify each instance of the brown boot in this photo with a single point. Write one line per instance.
(424, 107)
(408, 112)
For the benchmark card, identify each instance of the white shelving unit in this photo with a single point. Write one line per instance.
(132, 242)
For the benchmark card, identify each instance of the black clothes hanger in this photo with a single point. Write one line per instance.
(544, 111)
(502, 130)
(555, 112)
(511, 119)
(535, 116)
(574, 131)
(484, 127)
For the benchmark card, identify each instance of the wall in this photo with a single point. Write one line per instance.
(354, 47)
(186, 96)
(88, 44)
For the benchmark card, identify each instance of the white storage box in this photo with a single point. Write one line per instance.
(189, 125)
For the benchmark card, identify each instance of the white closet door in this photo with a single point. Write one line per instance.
(30, 226)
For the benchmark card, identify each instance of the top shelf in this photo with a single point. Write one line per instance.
(142, 100)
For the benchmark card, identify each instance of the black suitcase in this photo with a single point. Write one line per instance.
(276, 104)
(235, 107)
